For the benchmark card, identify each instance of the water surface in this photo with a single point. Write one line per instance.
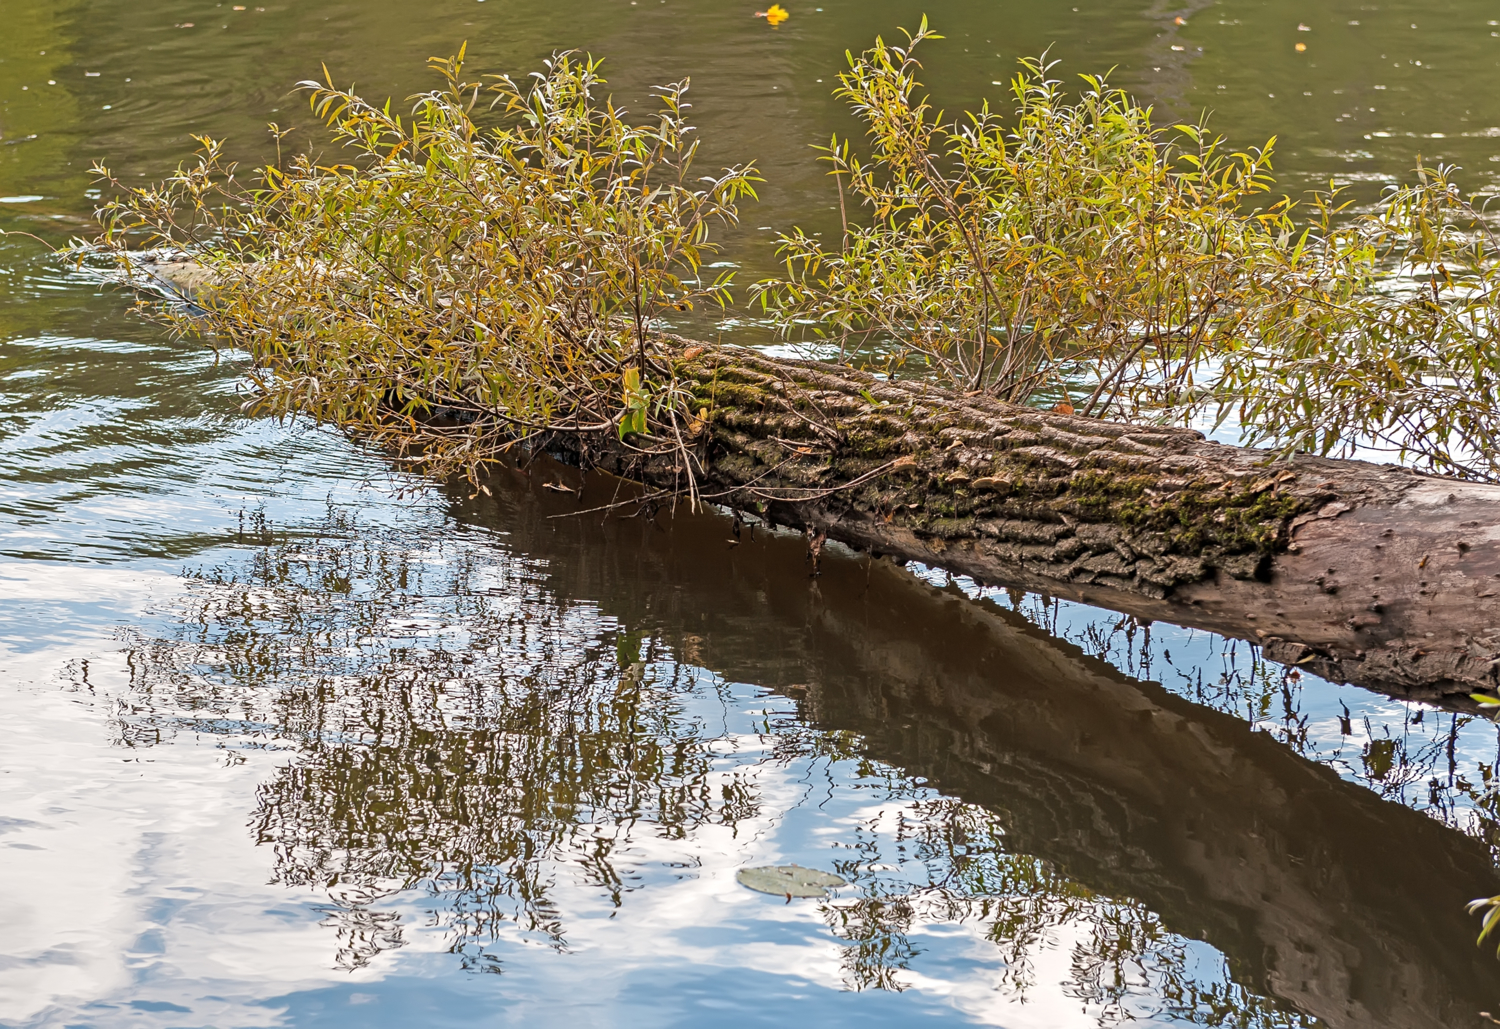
(290, 740)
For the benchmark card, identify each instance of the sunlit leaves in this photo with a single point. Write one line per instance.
(1490, 907)
(774, 15)
(1379, 329)
(1075, 252)
(1066, 251)
(482, 271)
(634, 404)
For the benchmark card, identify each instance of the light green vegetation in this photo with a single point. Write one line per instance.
(502, 277)
(1075, 251)
(501, 258)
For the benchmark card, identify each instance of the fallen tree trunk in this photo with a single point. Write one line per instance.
(1363, 573)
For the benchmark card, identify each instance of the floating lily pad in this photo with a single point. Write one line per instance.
(788, 880)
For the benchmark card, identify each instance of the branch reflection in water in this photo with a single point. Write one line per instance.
(1441, 762)
(501, 748)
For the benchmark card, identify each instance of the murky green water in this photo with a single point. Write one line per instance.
(280, 747)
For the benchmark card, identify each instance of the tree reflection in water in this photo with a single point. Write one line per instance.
(1123, 963)
(460, 730)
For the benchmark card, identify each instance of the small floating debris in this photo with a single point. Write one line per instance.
(774, 15)
(788, 880)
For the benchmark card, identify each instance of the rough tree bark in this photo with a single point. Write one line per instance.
(1363, 573)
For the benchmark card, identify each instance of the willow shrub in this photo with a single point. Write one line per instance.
(451, 287)
(1073, 251)
(501, 257)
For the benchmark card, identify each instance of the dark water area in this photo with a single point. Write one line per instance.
(288, 739)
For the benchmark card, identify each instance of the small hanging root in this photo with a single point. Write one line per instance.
(815, 540)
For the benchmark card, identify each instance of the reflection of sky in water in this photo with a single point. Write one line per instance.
(132, 785)
(186, 573)
(236, 720)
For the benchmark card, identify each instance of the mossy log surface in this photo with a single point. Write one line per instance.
(1363, 573)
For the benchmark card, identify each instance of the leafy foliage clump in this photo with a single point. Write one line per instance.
(469, 280)
(1074, 252)
(1020, 255)
(455, 287)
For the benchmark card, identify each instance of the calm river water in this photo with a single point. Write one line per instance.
(286, 740)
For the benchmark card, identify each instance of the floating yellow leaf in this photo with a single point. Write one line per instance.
(774, 16)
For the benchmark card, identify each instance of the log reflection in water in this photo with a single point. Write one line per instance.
(1409, 753)
(481, 727)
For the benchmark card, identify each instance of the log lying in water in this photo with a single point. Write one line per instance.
(1357, 572)
(1362, 573)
